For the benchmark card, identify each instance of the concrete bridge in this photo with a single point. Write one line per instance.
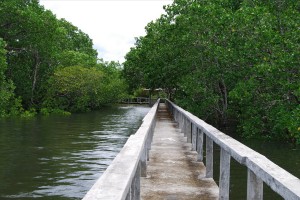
(163, 160)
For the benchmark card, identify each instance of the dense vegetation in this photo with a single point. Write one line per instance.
(228, 61)
(49, 65)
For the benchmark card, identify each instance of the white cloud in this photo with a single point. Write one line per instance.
(111, 24)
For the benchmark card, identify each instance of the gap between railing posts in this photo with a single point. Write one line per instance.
(260, 169)
(121, 180)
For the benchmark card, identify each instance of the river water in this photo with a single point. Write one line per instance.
(60, 158)
(283, 154)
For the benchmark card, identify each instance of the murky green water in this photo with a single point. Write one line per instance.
(283, 154)
(60, 157)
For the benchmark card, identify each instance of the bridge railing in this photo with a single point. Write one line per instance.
(138, 100)
(260, 169)
(121, 180)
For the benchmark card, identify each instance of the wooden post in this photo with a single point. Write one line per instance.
(224, 180)
(254, 187)
(199, 147)
(209, 157)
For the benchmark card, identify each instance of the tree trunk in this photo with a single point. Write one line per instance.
(224, 95)
(35, 74)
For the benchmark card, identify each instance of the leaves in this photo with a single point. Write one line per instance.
(50, 64)
(226, 61)
(36, 42)
(9, 105)
(78, 88)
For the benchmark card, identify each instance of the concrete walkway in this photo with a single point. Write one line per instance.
(172, 171)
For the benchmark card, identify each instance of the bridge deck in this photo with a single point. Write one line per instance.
(172, 170)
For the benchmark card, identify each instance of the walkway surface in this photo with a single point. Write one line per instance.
(172, 170)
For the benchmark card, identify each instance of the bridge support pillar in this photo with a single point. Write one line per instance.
(188, 131)
(209, 157)
(185, 121)
(224, 175)
(254, 187)
(135, 190)
(199, 145)
(144, 162)
(194, 137)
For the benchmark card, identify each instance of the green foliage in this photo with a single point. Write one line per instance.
(226, 61)
(73, 88)
(72, 58)
(36, 41)
(9, 105)
(29, 113)
(50, 64)
(141, 92)
(78, 88)
(48, 111)
(3, 65)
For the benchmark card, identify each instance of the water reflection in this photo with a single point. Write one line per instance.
(61, 157)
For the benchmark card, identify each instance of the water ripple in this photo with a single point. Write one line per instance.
(62, 157)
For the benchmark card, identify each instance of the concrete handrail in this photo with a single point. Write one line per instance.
(138, 100)
(121, 180)
(260, 169)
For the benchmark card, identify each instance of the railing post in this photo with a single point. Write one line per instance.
(150, 138)
(199, 147)
(128, 197)
(174, 112)
(188, 131)
(144, 160)
(224, 175)
(181, 122)
(184, 125)
(254, 187)
(136, 185)
(152, 127)
(148, 145)
(264, 171)
(194, 137)
(209, 157)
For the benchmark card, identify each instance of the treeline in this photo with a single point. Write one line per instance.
(230, 62)
(49, 65)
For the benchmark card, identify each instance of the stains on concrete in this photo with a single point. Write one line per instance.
(172, 171)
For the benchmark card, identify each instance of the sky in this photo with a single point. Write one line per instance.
(111, 24)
